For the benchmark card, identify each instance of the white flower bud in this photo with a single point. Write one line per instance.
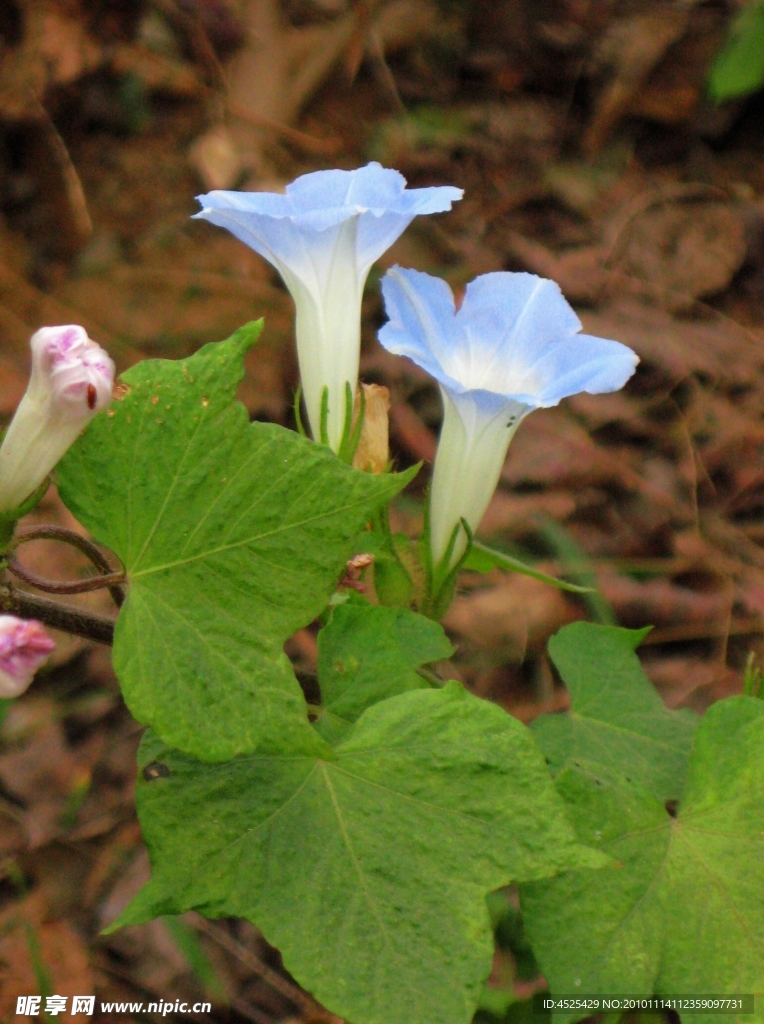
(71, 381)
(24, 646)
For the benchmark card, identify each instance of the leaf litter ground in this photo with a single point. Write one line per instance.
(659, 488)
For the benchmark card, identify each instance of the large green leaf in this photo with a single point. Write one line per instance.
(367, 653)
(617, 720)
(367, 864)
(233, 535)
(683, 910)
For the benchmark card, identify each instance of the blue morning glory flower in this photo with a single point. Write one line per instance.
(322, 236)
(513, 346)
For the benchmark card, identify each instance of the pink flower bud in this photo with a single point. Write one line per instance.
(71, 381)
(76, 370)
(24, 646)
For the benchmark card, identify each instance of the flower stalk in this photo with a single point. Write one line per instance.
(55, 615)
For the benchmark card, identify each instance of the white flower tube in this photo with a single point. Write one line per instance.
(323, 236)
(24, 646)
(512, 347)
(71, 381)
(471, 452)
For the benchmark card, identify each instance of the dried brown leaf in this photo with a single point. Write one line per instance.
(631, 47)
(373, 452)
(684, 251)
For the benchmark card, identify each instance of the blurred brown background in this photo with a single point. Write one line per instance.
(589, 153)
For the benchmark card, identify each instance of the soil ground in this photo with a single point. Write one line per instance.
(581, 133)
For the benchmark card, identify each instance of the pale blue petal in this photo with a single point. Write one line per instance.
(377, 230)
(369, 187)
(508, 320)
(261, 204)
(521, 302)
(377, 233)
(476, 406)
(321, 200)
(584, 363)
(513, 339)
(422, 324)
(276, 238)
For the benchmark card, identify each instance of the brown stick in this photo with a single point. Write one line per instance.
(57, 616)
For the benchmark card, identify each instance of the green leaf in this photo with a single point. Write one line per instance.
(739, 68)
(233, 535)
(496, 1001)
(368, 653)
(683, 910)
(368, 864)
(617, 720)
(483, 558)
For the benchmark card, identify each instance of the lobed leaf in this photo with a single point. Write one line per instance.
(366, 863)
(233, 535)
(617, 720)
(682, 912)
(368, 653)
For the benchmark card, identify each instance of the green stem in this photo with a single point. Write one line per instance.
(432, 677)
(8, 520)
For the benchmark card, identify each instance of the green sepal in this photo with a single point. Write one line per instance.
(483, 559)
(8, 520)
(323, 432)
(443, 580)
(297, 413)
(351, 435)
